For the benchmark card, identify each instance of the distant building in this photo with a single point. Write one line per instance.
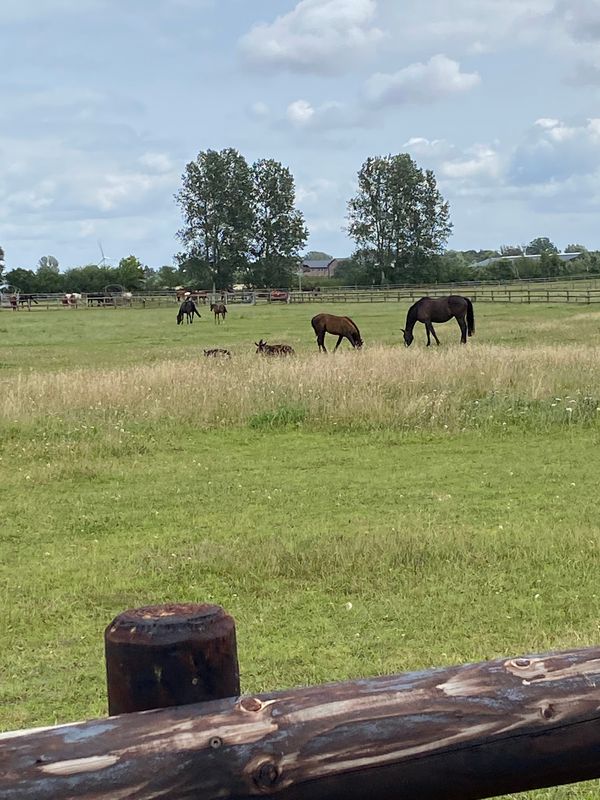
(321, 268)
(487, 261)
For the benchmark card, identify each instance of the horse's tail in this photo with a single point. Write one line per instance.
(470, 318)
(195, 311)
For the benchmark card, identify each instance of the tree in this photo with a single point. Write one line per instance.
(279, 231)
(129, 273)
(317, 255)
(22, 279)
(91, 278)
(400, 214)
(576, 248)
(47, 277)
(511, 250)
(216, 203)
(167, 277)
(539, 246)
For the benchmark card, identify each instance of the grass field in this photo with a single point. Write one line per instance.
(449, 494)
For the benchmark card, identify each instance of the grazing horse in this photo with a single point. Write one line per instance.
(440, 309)
(274, 349)
(187, 309)
(219, 309)
(217, 352)
(342, 327)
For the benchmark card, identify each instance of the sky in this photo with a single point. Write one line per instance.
(105, 101)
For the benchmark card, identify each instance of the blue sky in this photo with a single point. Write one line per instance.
(105, 101)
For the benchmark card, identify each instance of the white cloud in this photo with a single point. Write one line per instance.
(420, 83)
(580, 18)
(554, 151)
(317, 36)
(482, 162)
(300, 112)
(156, 162)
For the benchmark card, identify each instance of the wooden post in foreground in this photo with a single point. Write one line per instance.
(461, 733)
(170, 655)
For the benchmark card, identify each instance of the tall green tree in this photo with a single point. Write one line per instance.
(398, 212)
(278, 227)
(48, 277)
(22, 279)
(129, 273)
(216, 204)
(541, 245)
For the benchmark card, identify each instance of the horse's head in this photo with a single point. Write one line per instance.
(212, 306)
(260, 346)
(358, 342)
(408, 337)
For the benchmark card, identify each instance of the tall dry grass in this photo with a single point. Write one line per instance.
(451, 387)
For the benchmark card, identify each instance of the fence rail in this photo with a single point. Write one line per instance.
(497, 294)
(458, 733)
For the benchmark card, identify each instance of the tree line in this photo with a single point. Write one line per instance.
(241, 225)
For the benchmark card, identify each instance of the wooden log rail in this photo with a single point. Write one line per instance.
(451, 734)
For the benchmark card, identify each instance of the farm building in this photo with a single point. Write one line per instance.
(321, 268)
(487, 261)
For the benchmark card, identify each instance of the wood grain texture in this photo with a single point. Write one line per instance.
(466, 732)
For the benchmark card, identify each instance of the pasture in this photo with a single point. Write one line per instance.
(358, 513)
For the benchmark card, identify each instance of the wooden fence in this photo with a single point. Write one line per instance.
(496, 295)
(459, 733)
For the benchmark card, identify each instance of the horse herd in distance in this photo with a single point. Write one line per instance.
(427, 310)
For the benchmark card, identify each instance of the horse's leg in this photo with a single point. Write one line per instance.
(321, 342)
(339, 341)
(427, 324)
(463, 329)
(437, 341)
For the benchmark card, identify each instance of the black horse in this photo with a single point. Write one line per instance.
(187, 309)
(440, 309)
(27, 300)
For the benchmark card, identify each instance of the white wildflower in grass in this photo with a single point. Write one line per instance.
(348, 606)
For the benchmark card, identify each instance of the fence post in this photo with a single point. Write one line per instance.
(170, 655)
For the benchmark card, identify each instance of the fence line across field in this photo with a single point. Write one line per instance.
(93, 301)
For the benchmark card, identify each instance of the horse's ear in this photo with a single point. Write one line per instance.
(402, 329)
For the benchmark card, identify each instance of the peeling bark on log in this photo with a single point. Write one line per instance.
(451, 734)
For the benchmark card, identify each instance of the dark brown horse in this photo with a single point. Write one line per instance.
(187, 309)
(440, 309)
(274, 349)
(219, 310)
(342, 327)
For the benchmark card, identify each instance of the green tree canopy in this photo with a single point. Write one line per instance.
(22, 279)
(539, 246)
(216, 203)
(129, 273)
(399, 213)
(278, 227)
(317, 255)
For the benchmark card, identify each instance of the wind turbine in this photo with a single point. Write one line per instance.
(105, 259)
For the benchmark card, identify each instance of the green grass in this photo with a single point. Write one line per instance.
(452, 545)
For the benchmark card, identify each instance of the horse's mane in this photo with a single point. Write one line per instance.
(354, 325)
